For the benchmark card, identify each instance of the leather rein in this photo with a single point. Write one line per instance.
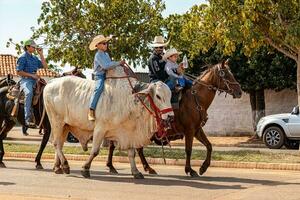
(155, 112)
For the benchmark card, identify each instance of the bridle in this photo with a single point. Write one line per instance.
(221, 77)
(153, 109)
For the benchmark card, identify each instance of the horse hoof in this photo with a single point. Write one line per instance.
(113, 171)
(151, 171)
(193, 173)
(39, 166)
(2, 165)
(66, 170)
(58, 171)
(85, 173)
(138, 176)
(202, 170)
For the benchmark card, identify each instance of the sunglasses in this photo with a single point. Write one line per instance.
(159, 47)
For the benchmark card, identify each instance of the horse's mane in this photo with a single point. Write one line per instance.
(209, 68)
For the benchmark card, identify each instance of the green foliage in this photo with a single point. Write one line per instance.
(68, 27)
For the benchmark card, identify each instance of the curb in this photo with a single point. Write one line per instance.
(179, 162)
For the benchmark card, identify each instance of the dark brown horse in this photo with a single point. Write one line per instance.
(192, 114)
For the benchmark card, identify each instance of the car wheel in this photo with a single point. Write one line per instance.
(274, 137)
(291, 144)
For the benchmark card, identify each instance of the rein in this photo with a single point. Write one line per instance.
(156, 112)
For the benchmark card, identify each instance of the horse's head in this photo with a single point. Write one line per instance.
(7, 81)
(220, 78)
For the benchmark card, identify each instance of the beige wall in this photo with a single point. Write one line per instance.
(228, 116)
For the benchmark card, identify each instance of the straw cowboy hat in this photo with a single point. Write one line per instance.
(98, 39)
(159, 42)
(171, 52)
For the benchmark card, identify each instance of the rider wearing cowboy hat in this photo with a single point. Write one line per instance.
(176, 79)
(156, 64)
(27, 66)
(102, 62)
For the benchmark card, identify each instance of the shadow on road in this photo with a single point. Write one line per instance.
(7, 183)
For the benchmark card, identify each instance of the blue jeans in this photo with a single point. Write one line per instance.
(27, 87)
(172, 82)
(97, 91)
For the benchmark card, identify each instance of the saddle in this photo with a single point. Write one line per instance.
(17, 95)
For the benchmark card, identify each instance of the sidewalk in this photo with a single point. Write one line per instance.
(218, 143)
(34, 138)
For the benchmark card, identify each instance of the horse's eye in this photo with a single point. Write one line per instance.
(157, 96)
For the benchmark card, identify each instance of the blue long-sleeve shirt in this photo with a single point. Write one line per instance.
(170, 67)
(28, 63)
(103, 62)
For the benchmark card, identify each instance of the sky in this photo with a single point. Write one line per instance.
(17, 16)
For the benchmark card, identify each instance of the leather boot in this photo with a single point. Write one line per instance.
(91, 115)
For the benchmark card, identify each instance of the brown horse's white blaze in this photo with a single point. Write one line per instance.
(119, 116)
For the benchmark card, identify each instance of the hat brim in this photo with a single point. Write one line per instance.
(93, 44)
(159, 44)
(166, 56)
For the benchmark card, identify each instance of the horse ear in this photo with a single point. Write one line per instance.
(225, 62)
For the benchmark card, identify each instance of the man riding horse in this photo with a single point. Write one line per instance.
(27, 66)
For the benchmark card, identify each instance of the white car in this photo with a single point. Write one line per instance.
(281, 129)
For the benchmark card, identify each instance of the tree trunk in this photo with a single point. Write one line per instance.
(252, 96)
(260, 105)
(257, 101)
(298, 77)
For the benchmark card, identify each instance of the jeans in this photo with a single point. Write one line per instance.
(97, 91)
(27, 87)
(172, 82)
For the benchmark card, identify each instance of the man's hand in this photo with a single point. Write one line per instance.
(39, 51)
(34, 76)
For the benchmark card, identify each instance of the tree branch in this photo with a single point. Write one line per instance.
(282, 50)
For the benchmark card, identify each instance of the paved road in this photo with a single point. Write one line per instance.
(21, 181)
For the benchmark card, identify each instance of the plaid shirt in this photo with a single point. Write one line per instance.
(29, 63)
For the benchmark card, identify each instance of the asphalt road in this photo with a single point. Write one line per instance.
(20, 181)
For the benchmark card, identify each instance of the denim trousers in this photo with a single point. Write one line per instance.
(27, 87)
(97, 91)
(172, 82)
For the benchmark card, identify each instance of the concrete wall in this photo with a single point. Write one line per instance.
(228, 116)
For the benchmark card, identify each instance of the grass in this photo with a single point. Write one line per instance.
(154, 152)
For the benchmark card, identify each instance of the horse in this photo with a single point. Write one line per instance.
(6, 105)
(192, 115)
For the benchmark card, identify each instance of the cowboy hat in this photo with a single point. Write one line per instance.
(98, 39)
(170, 52)
(159, 42)
(30, 43)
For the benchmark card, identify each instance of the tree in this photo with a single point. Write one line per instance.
(67, 28)
(265, 69)
(252, 23)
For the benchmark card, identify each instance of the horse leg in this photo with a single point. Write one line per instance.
(146, 166)
(42, 147)
(97, 139)
(189, 136)
(135, 172)
(8, 125)
(110, 156)
(200, 135)
(2, 165)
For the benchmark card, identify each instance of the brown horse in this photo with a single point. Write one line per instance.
(192, 114)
